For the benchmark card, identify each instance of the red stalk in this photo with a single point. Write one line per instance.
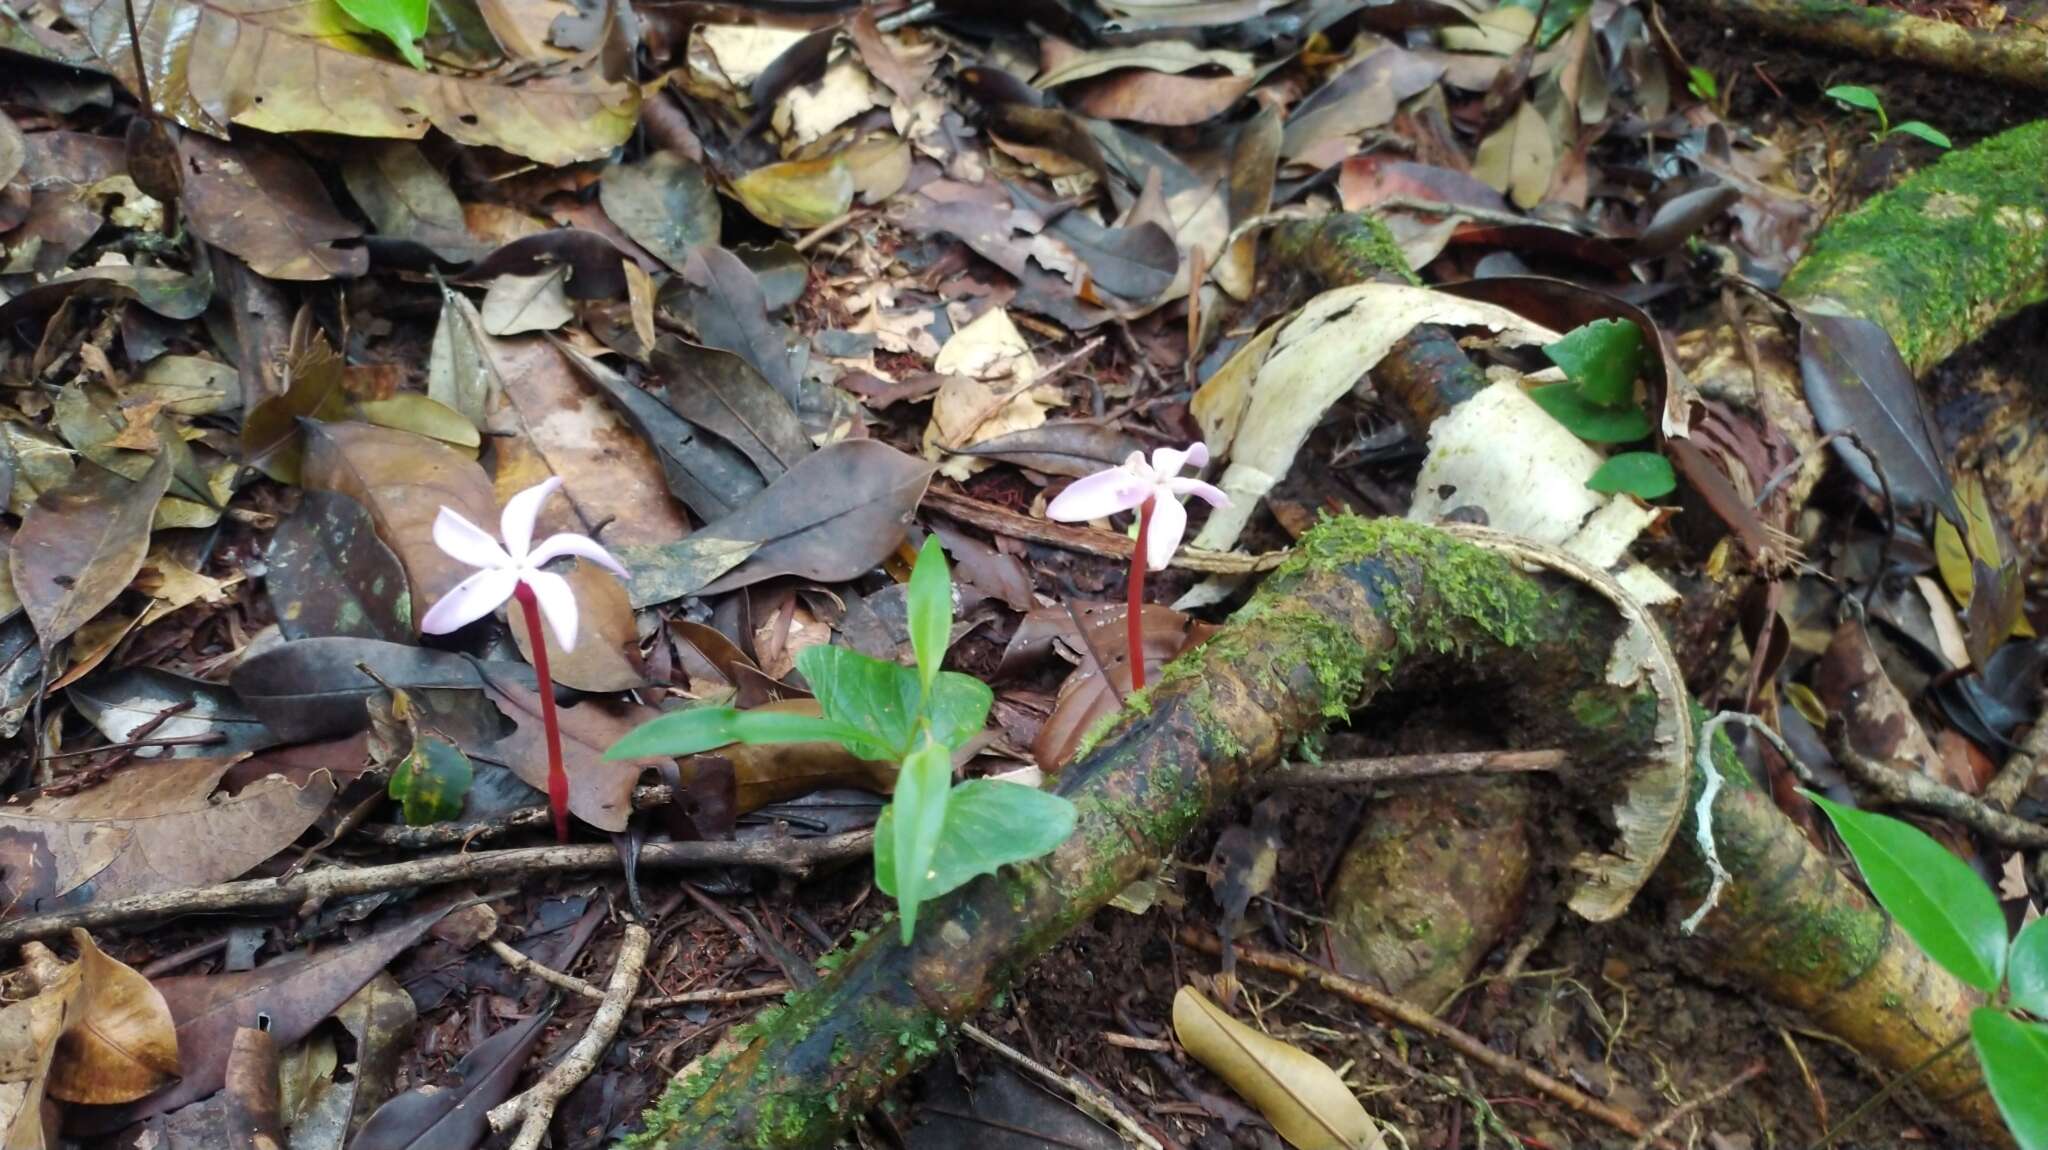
(1134, 617)
(558, 778)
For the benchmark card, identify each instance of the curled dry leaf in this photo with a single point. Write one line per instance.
(299, 67)
(1301, 1096)
(152, 827)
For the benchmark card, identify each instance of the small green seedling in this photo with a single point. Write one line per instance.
(1597, 402)
(402, 22)
(1702, 85)
(934, 836)
(1863, 99)
(1951, 914)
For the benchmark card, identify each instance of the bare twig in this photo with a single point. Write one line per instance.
(1415, 1018)
(791, 856)
(1088, 540)
(534, 1109)
(1678, 1114)
(1914, 790)
(2017, 774)
(1396, 767)
(1090, 1098)
(525, 964)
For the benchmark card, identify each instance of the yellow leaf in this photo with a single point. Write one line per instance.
(1519, 158)
(121, 1043)
(797, 193)
(1304, 1099)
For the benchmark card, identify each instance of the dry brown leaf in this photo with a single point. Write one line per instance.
(990, 390)
(518, 304)
(121, 1043)
(1519, 158)
(600, 790)
(1304, 1099)
(151, 827)
(607, 654)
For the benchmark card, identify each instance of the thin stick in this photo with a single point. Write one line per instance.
(1916, 791)
(1087, 1095)
(537, 644)
(1678, 1114)
(534, 1109)
(1089, 540)
(1393, 768)
(1416, 1018)
(524, 964)
(788, 855)
(204, 740)
(1889, 1089)
(1134, 611)
(2012, 780)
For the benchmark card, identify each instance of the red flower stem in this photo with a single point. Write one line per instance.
(1134, 611)
(558, 778)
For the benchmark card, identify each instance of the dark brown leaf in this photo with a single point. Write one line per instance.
(1856, 381)
(723, 394)
(331, 575)
(266, 205)
(313, 689)
(121, 703)
(81, 544)
(1074, 448)
(831, 517)
(452, 1117)
(600, 791)
(719, 297)
(665, 203)
(709, 476)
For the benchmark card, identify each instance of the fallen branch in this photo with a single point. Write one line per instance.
(1393, 768)
(1915, 791)
(535, 1108)
(1416, 1018)
(791, 856)
(2010, 54)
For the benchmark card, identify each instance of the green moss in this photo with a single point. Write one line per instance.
(1935, 260)
(1341, 248)
(682, 1093)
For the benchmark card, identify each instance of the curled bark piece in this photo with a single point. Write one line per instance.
(2012, 54)
(1361, 606)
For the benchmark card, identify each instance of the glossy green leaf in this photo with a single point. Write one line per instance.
(2026, 969)
(1856, 96)
(988, 824)
(1604, 358)
(883, 701)
(1937, 900)
(1922, 130)
(431, 781)
(958, 707)
(1701, 83)
(400, 21)
(914, 821)
(701, 729)
(2014, 1055)
(1643, 474)
(1591, 422)
(930, 603)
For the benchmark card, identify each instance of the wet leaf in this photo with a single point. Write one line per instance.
(799, 194)
(709, 476)
(312, 689)
(1519, 158)
(833, 516)
(295, 992)
(266, 205)
(304, 68)
(452, 1117)
(81, 544)
(1856, 381)
(121, 703)
(517, 304)
(407, 197)
(665, 203)
(1300, 1095)
(403, 480)
(431, 781)
(152, 827)
(331, 575)
(723, 394)
(607, 654)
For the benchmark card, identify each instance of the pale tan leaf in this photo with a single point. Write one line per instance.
(1303, 1098)
(1519, 158)
(607, 654)
(121, 1043)
(515, 305)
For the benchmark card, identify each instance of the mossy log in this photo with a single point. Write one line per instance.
(1362, 606)
(2014, 54)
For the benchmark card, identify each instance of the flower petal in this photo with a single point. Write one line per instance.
(1163, 533)
(1167, 462)
(1198, 455)
(1213, 496)
(466, 542)
(520, 513)
(581, 546)
(557, 604)
(469, 600)
(1097, 495)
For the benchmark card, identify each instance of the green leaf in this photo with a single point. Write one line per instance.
(701, 729)
(1603, 358)
(958, 708)
(1922, 130)
(431, 781)
(1701, 83)
(989, 823)
(930, 602)
(2014, 1055)
(914, 822)
(2026, 968)
(401, 21)
(1591, 422)
(1643, 474)
(1856, 96)
(877, 697)
(1938, 901)
(1558, 17)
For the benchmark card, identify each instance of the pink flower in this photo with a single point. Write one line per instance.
(503, 567)
(1129, 486)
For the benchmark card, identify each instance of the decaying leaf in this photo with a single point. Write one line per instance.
(94, 1031)
(331, 575)
(267, 206)
(81, 544)
(1519, 158)
(607, 654)
(600, 790)
(519, 304)
(1297, 1092)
